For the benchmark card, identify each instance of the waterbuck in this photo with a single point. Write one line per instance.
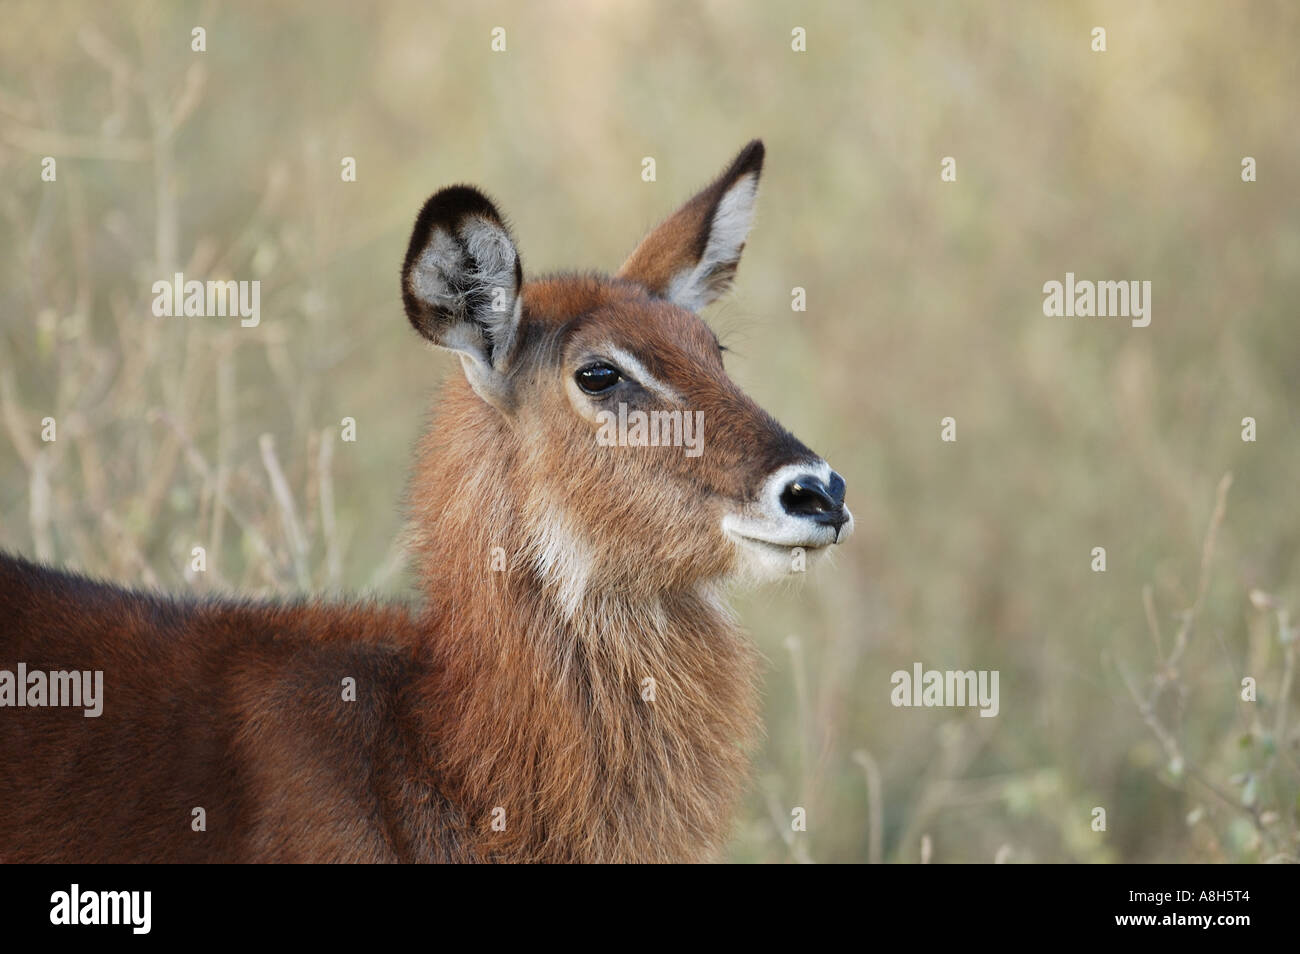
(570, 685)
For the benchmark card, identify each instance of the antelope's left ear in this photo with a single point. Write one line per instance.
(461, 282)
(691, 257)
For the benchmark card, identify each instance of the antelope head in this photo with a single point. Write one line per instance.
(596, 414)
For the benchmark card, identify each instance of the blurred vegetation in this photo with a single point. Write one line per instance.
(1119, 690)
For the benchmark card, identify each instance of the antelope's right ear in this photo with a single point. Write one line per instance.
(460, 284)
(691, 257)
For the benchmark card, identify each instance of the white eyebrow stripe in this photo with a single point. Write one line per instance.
(643, 377)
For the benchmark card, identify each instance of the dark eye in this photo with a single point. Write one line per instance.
(597, 378)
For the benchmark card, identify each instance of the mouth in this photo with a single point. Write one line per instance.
(780, 537)
(773, 546)
(772, 550)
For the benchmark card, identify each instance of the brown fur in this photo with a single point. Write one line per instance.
(501, 690)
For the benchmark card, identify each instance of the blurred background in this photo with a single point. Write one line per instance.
(1120, 690)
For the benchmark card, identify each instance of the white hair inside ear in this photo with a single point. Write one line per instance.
(431, 275)
(693, 288)
(495, 258)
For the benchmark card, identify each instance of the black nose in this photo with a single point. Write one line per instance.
(807, 496)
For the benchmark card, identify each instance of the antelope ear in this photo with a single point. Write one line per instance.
(691, 257)
(460, 285)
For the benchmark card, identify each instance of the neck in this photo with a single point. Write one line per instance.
(607, 727)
